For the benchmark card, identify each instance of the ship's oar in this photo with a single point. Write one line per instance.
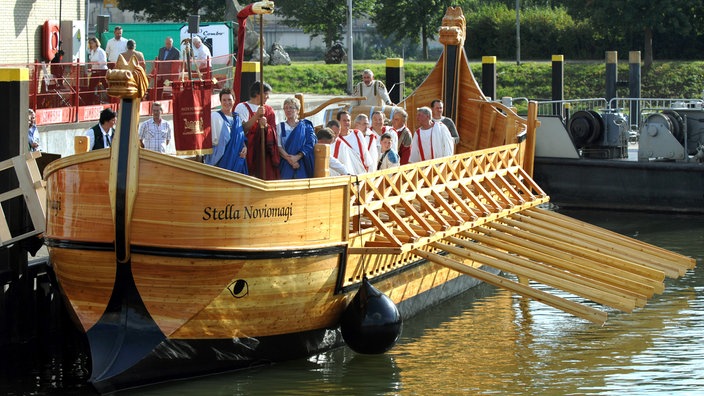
(591, 314)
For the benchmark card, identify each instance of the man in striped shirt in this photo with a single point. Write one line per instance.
(155, 134)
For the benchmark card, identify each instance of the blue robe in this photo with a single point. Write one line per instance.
(301, 140)
(232, 140)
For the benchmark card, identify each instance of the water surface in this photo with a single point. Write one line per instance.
(486, 341)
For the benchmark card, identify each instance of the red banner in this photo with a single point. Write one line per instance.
(191, 100)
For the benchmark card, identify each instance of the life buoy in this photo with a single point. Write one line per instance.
(50, 39)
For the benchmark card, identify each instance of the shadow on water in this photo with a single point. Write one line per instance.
(340, 371)
(55, 364)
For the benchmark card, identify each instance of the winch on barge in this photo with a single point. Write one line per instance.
(643, 154)
(163, 293)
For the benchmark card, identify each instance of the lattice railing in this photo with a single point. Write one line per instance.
(409, 207)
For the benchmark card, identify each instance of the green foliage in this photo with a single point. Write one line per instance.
(326, 79)
(491, 30)
(325, 18)
(410, 19)
(176, 10)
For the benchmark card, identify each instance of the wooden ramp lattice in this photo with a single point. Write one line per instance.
(32, 189)
(481, 208)
(415, 205)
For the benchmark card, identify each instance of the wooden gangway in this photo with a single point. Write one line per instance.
(31, 189)
(482, 208)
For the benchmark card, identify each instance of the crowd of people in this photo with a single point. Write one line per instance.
(247, 138)
(167, 63)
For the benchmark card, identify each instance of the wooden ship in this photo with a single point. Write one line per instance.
(175, 269)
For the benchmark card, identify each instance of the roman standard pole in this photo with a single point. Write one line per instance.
(262, 160)
(350, 50)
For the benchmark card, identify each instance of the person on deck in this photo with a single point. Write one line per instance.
(229, 140)
(101, 134)
(350, 147)
(432, 139)
(389, 158)
(96, 56)
(379, 126)
(168, 65)
(361, 123)
(296, 139)
(334, 126)
(201, 54)
(437, 107)
(132, 51)
(256, 117)
(403, 135)
(374, 90)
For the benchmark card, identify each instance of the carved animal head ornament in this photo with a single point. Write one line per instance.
(127, 79)
(452, 31)
(263, 7)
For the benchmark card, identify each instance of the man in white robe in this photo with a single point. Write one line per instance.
(355, 141)
(371, 139)
(432, 140)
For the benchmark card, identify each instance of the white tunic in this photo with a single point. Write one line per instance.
(348, 157)
(434, 142)
(355, 141)
(373, 146)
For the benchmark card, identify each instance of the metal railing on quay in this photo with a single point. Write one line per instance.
(76, 92)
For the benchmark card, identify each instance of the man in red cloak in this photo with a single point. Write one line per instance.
(257, 118)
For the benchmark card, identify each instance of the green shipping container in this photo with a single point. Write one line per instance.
(149, 37)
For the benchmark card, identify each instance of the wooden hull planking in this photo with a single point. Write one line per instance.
(185, 262)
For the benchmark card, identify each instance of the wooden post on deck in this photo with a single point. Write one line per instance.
(321, 168)
(489, 76)
(558, 83)
(249, 76)
(394, 79)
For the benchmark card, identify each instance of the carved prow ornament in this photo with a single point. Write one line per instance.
(452, 35)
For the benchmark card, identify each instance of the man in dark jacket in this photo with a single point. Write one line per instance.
(100, 135)
(168, 65)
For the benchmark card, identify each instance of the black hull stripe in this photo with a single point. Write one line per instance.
(244, 255)
(203, 253)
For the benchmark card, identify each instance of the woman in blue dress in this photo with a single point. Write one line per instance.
(296, 140)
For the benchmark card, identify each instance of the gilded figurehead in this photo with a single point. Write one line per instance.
(127, 79)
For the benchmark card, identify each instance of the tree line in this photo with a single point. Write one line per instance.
(578, 29)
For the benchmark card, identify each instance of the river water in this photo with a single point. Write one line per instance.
(486, 341)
